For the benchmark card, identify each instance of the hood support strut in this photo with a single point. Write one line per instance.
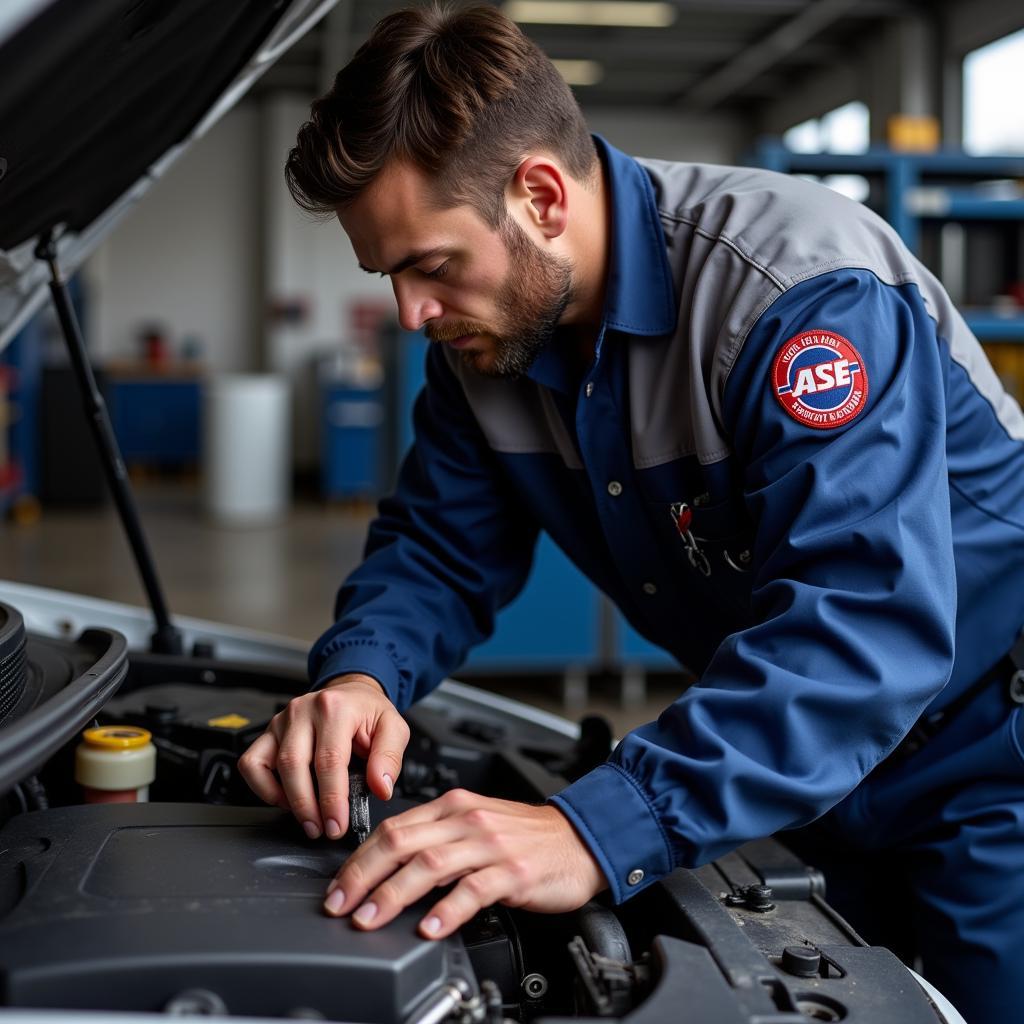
(167, 638)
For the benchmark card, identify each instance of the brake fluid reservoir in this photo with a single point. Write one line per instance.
(115, 764)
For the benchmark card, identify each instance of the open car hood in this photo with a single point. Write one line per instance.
(98, 99)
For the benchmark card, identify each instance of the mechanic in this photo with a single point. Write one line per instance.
(750, 416)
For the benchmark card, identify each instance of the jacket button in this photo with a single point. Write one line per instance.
(589, 390)
(650, 588)
(635, 877)
(615, 488)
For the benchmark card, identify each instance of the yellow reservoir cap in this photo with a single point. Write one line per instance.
(117, 737)
(116, 758)
(231, 721)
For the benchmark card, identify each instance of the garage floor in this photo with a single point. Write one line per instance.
(279, 578)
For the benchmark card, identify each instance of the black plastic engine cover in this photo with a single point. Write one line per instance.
(121, 907)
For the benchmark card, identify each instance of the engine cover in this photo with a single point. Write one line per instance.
(127, 906)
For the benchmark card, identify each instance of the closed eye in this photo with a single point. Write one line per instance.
(438, 271)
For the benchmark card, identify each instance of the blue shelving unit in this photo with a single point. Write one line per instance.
(958, 206)
(989, 326)
(922, 187)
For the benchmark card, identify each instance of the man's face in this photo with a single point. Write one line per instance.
(491, 294)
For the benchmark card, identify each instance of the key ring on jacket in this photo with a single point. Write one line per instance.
(682, 517)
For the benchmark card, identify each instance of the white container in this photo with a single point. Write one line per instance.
(247, 448)
(115, 764)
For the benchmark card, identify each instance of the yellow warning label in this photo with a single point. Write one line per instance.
(228, 722)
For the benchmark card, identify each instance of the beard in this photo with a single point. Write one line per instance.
(530, 303)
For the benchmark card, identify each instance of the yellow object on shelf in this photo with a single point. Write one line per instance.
(908, 133)
(1007, 359)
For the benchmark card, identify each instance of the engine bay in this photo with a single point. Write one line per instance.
(201, 902)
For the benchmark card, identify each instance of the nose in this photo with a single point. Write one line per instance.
(416, 304)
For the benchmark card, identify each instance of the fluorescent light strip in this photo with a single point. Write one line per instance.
(580, 72)
(623, 13)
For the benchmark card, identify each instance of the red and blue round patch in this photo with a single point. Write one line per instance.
(820, 379)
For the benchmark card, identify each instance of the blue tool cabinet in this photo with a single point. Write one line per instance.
(352, 420)
(156, 417)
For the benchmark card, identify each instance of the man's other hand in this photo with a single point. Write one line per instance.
(499, 851)
(318, 733)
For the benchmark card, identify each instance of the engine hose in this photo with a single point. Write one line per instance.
(603, 933)
(35, 791)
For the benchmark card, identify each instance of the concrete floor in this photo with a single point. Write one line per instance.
(280, 578)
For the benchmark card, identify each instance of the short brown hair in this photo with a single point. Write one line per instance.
(461, 93)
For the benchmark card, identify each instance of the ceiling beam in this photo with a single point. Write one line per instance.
(748, 63)
(668, 48)
(866, 8)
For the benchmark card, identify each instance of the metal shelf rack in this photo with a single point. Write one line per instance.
(916, 188)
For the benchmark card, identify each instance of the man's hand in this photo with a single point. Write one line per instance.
(320, 731)
(503, 852)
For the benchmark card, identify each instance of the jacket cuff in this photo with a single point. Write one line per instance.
(613, 817)
(366, 658)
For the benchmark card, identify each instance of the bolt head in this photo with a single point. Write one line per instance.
(801, 961)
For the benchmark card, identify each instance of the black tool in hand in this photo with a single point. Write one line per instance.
(358, 807)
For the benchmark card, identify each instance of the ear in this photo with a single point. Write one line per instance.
(539, 186)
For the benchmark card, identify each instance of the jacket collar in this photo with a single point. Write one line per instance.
(639, 293)
(639, 296)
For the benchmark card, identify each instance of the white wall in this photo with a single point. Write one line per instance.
(304, 259)
(187, 256)
(643, 132)
(212, 244)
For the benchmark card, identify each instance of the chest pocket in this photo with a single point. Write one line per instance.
(720, 534)
(717, 540)
(702, 523)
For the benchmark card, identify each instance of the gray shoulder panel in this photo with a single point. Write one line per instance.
(517, 417)
(737, 239)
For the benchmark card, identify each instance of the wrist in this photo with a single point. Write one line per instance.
(355, 679)
(589, 873)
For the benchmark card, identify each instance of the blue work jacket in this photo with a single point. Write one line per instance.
(789, 464)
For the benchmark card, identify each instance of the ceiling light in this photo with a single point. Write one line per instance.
(625, 13)
(580, 72)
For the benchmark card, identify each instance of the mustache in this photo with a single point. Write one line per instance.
(452, 329)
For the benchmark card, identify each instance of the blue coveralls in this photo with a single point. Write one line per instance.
(791, 465)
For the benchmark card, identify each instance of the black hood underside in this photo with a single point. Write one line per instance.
(95, 93)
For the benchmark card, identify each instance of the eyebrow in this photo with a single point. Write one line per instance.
(411, 260)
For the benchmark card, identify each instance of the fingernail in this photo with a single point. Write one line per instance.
(332, 886)
(311, 830)
(431, 925)
(366, 913)
(335, 901)
(390, 785)
(333, 828)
